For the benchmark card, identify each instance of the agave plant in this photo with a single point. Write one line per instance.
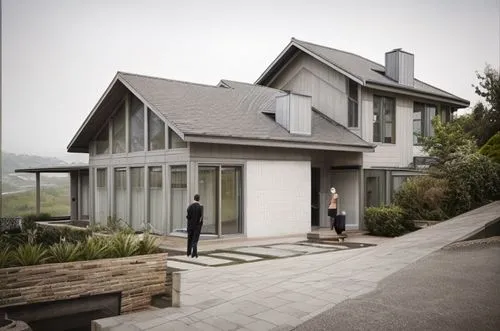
(123, 245)
(30, 255)
(95, 248)
(5, 256)
(65, 252)
(148, 244)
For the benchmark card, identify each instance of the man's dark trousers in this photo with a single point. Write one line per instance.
(195, 222)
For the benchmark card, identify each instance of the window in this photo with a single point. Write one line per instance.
(101, 196)
(178, 197)
(156, 132)
(174, 141)
(384, 123)
(119, 130)
(422, 121)
(136, 123)
(121, 204)
(445, 113)
(352, 104)
(156, 200)
(102, 141)
(137, 205)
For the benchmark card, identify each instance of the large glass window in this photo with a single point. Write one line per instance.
(374, 188)
(156, 132)
(119, 130)
(422, 121)
(137, 205)
(352, 104)
(156, 200)
(101, 196)
(174, 141)
(231, 200)
(102, 141)
(136, 123)
(120, 183)
(178, 197)
(208, 183)
(384, 120)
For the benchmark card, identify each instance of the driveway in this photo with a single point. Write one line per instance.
(456, 288)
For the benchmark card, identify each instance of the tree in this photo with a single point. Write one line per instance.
(484, 122)
(492, 148)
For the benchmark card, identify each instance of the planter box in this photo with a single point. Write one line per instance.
(138, 278)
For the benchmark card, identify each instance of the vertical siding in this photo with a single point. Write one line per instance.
(300, 114)
(283, 111)
(406, 68)
(391, 65)
(278, 198)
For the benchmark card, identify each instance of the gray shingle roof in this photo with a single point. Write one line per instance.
(367, 70)
(233, 112)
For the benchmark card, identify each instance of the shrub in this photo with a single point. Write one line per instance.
(50, 235)
(65, 252)
(388, 221)
(29, 255)
(148, 245)
(123, 245)
(94, 248)
(422, 197)
(5, 256)
(492, 148)
(29, 220)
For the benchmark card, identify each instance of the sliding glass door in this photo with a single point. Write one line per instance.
(220, 193)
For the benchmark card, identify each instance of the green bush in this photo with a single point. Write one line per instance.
(492, 148)
(5, 256)
(148, 245)
(123, 245)
(422, 198)
(29, 255)
(95, 247)
(387, 221)
(64, 252)
(49, 235)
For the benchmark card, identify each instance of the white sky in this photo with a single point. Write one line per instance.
(58, 57)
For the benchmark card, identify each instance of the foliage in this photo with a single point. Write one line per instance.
(492, 148)
(388, 221)
(473, 181)
(5, 256)
(64, 252)
(148, 245)
(13, 239)
(96, 247)
(422, 197)
(29, 255)
(449, 141)
(49, 235)
(123, 245)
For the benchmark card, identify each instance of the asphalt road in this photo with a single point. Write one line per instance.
(456, 288)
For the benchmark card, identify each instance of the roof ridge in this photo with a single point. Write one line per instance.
(338, 50)
(166, 79)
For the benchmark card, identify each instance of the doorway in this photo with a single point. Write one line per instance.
(346, 182)
(315, 200)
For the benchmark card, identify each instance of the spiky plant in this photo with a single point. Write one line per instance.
(29, 255)
(148, 245)
(94, 248)
(123, 245)
(65, 252)
(5, 256)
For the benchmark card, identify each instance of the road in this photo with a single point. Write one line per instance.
(456, 288)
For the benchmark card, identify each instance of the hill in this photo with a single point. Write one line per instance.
(11, 161)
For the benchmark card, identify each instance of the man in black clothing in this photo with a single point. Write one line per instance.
(195, 222)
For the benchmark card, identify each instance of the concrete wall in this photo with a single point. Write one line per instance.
(278, 198)
(137, 277)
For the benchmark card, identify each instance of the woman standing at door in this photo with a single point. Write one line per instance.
(332, 207)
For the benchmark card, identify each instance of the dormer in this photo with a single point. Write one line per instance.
(399, 66)
(293, 112)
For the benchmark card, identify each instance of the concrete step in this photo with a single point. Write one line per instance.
(326, 235)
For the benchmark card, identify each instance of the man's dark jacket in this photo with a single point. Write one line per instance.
(194, 215)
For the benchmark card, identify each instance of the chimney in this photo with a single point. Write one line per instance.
(399, 66)
(293, 112)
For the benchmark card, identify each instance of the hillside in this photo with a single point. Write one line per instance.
(11, 161)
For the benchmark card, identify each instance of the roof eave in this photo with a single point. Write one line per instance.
(415, 92)
(266, 142)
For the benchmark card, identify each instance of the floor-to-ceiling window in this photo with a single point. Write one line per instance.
(137, 210)
(156, 200)
(208, 182)
(220, 189)
(374, 188)
(101, 196)
(120, 185)
(178, 197)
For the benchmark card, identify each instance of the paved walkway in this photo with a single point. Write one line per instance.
(281, 294)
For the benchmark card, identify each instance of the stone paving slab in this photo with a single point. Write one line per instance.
(328, 246)
(202, 259)
(300, 248)
(269, 251)
(244, 257)
(183, 266)
(273, 290)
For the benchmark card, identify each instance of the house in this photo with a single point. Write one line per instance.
(262, 156)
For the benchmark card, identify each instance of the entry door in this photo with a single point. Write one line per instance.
(231, 200)
(346, 182)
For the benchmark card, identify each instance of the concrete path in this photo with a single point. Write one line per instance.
(281, 294)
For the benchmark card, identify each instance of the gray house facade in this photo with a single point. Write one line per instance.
(262, 156)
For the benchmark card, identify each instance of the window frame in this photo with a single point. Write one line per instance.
(352, 116)
(382, 121)
(426, 129)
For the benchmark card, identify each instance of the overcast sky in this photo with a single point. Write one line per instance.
(59, 56)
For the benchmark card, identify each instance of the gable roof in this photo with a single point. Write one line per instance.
(233, 114)
(358, 68)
